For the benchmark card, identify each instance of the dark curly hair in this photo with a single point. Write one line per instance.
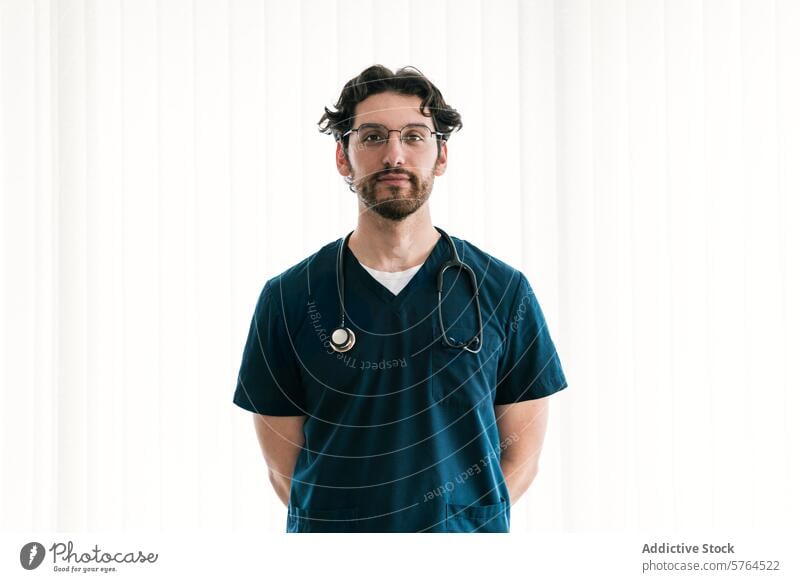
(379, 79)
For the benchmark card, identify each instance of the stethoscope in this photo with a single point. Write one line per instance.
(343, 338)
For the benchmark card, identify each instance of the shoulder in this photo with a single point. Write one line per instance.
(288, 291)
(501, 286)
(488, 269)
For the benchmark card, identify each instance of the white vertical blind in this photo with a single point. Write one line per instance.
(638, 160)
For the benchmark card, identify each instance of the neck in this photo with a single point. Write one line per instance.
(392, 246)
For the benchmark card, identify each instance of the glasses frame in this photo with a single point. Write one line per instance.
(437, 134)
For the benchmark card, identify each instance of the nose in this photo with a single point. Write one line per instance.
(393, 154)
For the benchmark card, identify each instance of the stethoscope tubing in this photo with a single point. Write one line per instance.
(343, 338)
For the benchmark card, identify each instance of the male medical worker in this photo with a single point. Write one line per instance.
(380, 404)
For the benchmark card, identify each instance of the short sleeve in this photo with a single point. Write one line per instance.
(529, 367)
(269, 379)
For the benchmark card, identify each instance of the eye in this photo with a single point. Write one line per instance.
(414, 136)
(373, 136)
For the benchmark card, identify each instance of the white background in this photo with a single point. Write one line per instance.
(639, 161)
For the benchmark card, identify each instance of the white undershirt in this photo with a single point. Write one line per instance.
(394, 282)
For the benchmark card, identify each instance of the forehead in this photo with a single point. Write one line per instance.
(390, 109)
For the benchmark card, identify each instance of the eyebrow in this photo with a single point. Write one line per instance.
(413, 123)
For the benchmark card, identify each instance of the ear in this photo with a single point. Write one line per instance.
(441, 163)
(342, 164)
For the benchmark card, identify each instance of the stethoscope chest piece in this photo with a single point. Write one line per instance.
(342, 339)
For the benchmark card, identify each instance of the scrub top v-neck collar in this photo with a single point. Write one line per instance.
(362, 277)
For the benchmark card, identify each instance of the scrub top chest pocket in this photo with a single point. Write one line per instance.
(461, 378)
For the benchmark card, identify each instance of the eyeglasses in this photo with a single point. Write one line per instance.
(375, 135)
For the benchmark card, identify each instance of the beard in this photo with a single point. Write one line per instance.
(396, 202)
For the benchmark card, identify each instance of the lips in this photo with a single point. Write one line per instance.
(393, 178)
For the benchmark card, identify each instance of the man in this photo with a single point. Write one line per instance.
(380, 404)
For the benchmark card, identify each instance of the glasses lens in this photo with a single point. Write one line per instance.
(415, 135)
(373, 135)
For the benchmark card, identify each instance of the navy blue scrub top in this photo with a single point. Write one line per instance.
(401, 433)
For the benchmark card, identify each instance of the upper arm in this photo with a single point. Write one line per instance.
(522, 426)
(529, 367)
(281, 438)
(269, 381)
